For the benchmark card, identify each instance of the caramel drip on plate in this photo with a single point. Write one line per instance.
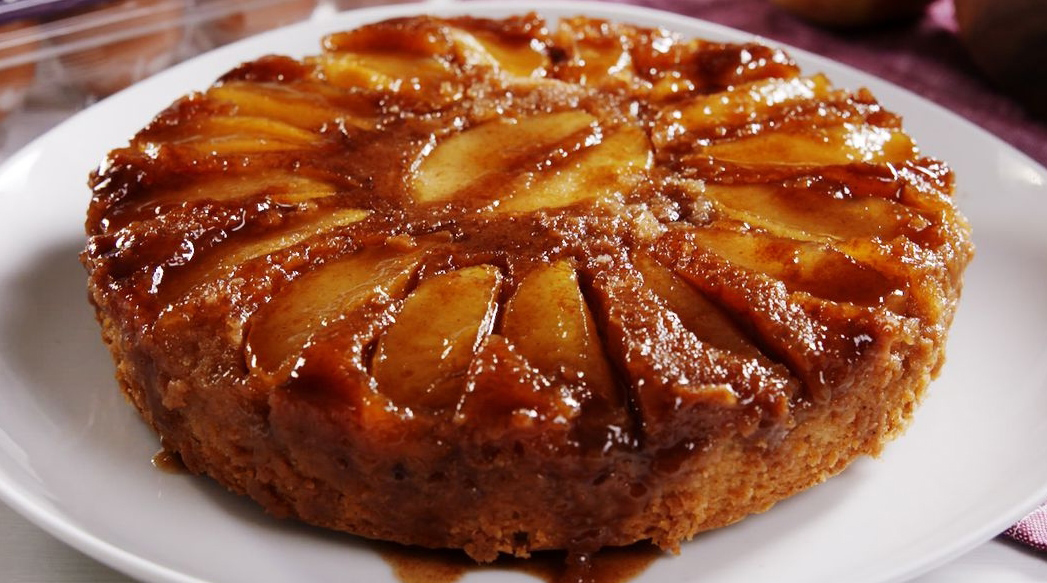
(611, 565)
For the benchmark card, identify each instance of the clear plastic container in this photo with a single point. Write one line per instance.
(72, 52)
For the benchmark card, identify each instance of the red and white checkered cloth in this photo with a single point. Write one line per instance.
(1031, 530)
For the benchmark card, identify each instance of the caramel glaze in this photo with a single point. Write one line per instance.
(197, 281)
(168, 462)
(612, 565)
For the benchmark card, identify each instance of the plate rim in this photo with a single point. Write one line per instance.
(64, 527)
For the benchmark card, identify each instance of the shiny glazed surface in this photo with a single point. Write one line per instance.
(444, 254)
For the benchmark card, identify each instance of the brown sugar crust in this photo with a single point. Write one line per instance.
(511, 285)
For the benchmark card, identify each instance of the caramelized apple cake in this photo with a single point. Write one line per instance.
(510, 285)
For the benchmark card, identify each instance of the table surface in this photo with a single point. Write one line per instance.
(28, 554)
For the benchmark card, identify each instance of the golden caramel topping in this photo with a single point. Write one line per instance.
(592, 225)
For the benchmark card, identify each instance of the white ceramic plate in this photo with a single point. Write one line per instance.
(75, 459)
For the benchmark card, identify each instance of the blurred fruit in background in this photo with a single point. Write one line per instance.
(1007, 40)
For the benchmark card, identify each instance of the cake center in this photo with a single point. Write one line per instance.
(531, 162)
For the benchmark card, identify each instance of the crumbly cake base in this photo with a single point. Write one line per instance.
(753, 276)
(232, 435)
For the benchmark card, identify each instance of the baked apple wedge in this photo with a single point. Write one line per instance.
(514, 285)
